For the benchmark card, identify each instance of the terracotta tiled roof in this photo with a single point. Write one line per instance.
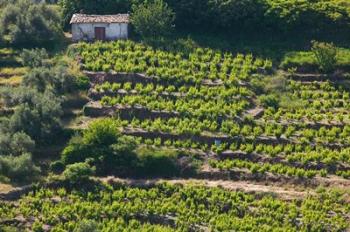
(84, 18)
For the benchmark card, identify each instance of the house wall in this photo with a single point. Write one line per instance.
(86, 31)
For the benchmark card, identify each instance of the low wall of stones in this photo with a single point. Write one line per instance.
(118, 77)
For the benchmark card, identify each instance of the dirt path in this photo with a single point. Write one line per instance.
(287, 193)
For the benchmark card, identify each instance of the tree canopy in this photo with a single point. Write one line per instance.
(38, 24)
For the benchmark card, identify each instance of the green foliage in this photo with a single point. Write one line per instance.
(78, 172)
(157, 162)
(152, 19)
(69, 7)
(113, 153)
(18, 168)
(101, 133)
(110, 152)
(277, 169)
(213, 208)
(292, 16)
(15, 144)
(280, 15)
(326, 55)
(34, 58)
(25, 23)
(82, 82)
(36, 114)
(176, 68)
(306, 61)
(57, 167)
(87, 226)
(270, 100)
(298, 59)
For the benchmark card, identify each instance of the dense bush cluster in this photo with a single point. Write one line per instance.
(26, 23)
(102, 146)
(37, 108)
(152, 20)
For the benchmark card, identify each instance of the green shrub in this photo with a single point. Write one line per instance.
(152, 19)
(26, 23)
(34, 57)
(87, 226)
(36, 114)
(57, 167)
(326, 55)
(270, 100)
(101, 132)
(15, 144)
(75, 151)
(38, 226)
(82, 82)
(157, 162)
(102, 142)
(77, 172)
(18, 168)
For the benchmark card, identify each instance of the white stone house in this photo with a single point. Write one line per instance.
(99, 27)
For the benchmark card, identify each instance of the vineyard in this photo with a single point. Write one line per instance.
(166, 207)
(261, 142)
(229, 108)
(175, 115)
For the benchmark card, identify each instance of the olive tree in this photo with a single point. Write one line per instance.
(26, 23)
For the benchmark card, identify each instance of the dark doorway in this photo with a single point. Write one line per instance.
(100, 33)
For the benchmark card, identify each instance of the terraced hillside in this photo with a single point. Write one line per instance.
(11, 71)
(233, 109)
(165, 207)
(270, 148)
(213, 115)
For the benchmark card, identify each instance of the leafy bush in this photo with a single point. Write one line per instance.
(77, 172)
(15, 144)
(326, 55)
(37, 114)
(82, 82)
(152, 19)
(18, 168)
(102, 143)
(25, 22)
(87, 226)
(157, 162)
(56, 79)
(57, 167)
(34, 58)
(112, 153)
(270, 100)
(101, 133)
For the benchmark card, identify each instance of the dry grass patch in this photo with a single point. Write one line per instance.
(5, 188)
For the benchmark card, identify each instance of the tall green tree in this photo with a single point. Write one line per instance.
(26, 23)
(152, 19)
